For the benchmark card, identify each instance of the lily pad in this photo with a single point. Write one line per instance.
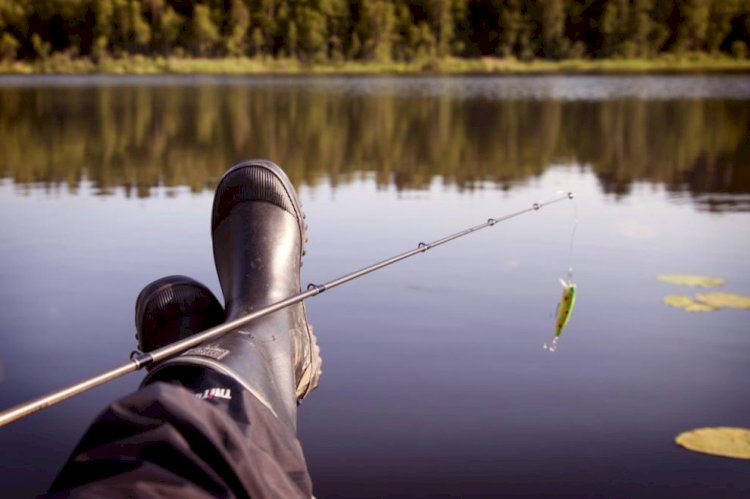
(727, 300)
(688, 304)
(719, 441)
(696, 281)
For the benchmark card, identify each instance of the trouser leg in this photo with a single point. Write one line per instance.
(194, 433)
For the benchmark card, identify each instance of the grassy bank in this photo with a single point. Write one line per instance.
(63, 64)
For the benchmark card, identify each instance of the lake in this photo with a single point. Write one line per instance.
(435, 380)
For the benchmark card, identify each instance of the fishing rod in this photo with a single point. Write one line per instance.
(139, 359)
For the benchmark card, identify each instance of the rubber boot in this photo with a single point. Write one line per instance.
(172, 308)
(258, 239)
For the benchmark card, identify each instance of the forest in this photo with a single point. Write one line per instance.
(337, 31)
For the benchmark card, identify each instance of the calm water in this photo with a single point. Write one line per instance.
(435, 380)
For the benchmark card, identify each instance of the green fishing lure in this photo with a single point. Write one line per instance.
(564, 311)
(565, 307)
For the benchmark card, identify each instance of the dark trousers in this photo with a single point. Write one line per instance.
(195, 433)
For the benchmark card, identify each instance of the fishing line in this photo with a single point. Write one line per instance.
(572, 239)
(139, 359)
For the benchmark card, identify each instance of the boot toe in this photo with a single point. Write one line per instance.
(172, 308)
(256, 180)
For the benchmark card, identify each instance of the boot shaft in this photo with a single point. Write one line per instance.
(257, 251)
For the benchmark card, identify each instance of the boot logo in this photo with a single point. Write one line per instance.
(215, 393)
(210, 351)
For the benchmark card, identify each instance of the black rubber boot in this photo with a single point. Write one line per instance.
(172, 308)
(258, 237)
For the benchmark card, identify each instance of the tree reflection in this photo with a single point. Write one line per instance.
(141, 137)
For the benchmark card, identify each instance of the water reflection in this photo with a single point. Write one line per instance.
(138, 137)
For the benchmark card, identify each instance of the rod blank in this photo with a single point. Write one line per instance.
(140, 360)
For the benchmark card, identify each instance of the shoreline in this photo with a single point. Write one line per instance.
(61, 64)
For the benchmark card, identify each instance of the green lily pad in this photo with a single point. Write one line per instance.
(697, 281)
(719, 441)
(688, 304)
(727, 300)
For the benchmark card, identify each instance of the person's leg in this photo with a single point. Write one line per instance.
(218, 420)
(259, 237)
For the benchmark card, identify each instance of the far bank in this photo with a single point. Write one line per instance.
(64, 64)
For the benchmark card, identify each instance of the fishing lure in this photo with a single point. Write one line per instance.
(564, 310)
(568, 298)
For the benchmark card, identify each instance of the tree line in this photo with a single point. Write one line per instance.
(332, 31)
